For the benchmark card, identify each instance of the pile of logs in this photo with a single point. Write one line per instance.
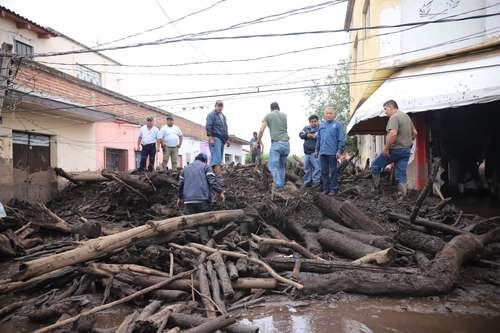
(72, 264)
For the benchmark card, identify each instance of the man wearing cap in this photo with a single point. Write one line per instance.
(170, 139)
(197, 181)
(146, 143)
(217, 133)
(280, 145)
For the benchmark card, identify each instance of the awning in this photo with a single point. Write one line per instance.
(458, 82)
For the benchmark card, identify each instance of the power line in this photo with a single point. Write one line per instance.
(163, 25)
(266, 56)
(268, 35)
(270, 90)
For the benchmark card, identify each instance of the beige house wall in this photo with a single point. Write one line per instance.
(9, 33)
(72, 147)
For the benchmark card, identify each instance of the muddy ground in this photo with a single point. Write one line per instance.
(473, 305)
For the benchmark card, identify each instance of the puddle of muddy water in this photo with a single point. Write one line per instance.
(367, 317)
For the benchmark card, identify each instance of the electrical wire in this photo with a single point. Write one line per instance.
(267, 35)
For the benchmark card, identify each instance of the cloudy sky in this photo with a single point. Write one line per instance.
(96, 22)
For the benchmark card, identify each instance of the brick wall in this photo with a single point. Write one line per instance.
(42, 79)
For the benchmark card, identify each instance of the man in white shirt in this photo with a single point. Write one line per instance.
(146, 143)
(170, 138)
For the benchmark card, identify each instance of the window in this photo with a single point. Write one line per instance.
(366, 18)
(116, 159)
(31, 151)
(228, 158)
(89, 75)
(238, 159)
(23, 49)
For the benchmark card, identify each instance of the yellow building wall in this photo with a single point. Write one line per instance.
(364, 58)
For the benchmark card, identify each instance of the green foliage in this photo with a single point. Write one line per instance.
(336, 93)
(248, 158)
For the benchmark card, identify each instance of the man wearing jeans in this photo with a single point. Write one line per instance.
(217, 136)
(280, 145)
(397, 149)
(146, 143)
(170, 139)
(330, 146)
(312, 171)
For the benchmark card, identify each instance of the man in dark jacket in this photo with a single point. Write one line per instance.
(197, 181)
(312, 171)
(217, 135)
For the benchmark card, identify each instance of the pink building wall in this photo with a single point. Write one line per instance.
(118, 135)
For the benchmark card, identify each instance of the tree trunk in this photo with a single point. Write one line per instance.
(348, 214)
(190, 321)
(343, 245)
(440, 277)
(223, 275)
(381, 242)
(213, 325)
(129, 179)
(419, 241)
(214, 282)
(309, 238)
(101, 246)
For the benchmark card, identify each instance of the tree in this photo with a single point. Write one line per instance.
(334, 90)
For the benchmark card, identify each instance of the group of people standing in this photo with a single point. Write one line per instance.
(169, 138)
(324, 143)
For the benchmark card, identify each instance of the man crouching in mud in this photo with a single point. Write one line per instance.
(197, 181)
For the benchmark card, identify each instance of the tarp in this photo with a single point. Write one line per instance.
(450, 84)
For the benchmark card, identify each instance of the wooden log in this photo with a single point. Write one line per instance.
(213, 325)
(206, 297)
(216, 292)
(255, 283)
(58, 225)
(146, 281)
(343, 245)
(8, 247)
(60, 172)
(248, 258)
(440, 277)
(232, 270)
(310, 239)
(315, 266)
(36, 281)
(101, 246)
(129, 179)
(171, 295)
(430, 224)
(290, 244)
(220, 234)
(379, 257)
(220, 267)
(128, 298)
(367, 238)
(419, 241)
(348, 214)
(189, 321)
(425, 191)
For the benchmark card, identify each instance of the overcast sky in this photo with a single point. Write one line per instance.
(93, 22)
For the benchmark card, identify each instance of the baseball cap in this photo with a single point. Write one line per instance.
(202, 157)
(275, 106)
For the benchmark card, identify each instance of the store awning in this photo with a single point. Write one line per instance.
(462, 81)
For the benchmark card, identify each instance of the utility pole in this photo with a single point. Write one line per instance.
(5, 61)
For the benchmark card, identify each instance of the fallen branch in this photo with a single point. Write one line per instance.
(425, 192)
(290, 244)
(98, 247)
(380, 257)
(128, 298)
(244, 256)
(344, 245)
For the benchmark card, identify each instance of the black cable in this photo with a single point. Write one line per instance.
(268, 35)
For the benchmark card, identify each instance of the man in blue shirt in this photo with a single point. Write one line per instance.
(329, 147)
(217, 135)
(312, 171)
